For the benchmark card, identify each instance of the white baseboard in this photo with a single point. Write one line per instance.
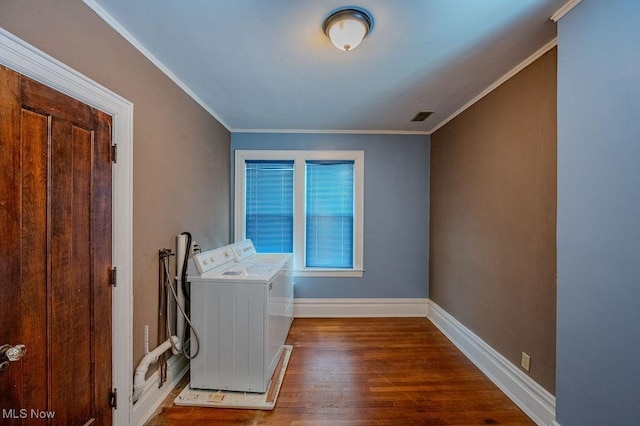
(152, 395)
(337, 308)
(554, 423)
(532, 398)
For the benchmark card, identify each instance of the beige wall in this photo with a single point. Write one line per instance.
(181, 153)
(493, 218)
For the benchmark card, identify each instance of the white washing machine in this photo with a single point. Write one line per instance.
(242, 309)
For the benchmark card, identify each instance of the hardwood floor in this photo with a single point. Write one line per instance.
(368, 371)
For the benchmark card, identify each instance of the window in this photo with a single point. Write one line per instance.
(309, 203)
(329, 214)
(269, 205)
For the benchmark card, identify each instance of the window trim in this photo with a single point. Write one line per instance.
(300, 157)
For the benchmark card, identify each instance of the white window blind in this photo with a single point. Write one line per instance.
(329, 214)
(269, 205)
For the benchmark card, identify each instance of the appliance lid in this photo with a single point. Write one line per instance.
(242, 274)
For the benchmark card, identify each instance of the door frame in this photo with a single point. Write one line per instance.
(20, 56)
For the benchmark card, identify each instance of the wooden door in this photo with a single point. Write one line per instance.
(55, 255)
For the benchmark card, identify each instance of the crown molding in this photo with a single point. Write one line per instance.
(564, 10)
(336, 131)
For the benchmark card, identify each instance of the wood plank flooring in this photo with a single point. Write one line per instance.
(368, 371)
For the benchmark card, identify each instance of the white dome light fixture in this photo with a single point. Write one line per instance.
(348, 27)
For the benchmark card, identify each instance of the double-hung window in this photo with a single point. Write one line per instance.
(309, 203)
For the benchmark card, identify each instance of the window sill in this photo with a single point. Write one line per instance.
(329, 273)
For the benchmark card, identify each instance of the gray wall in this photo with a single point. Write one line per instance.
(396, 214)
(179, 151)
(493, 218)
(599, 214)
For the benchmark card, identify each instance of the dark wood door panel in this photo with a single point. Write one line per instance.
(33, 255)
(48, 101)
(71, 314)
(55, 234)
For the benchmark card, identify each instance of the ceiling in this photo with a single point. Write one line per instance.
(266, 65)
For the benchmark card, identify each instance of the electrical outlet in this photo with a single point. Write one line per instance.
(526, 362)
(195, 248)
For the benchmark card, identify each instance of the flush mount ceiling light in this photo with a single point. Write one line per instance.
(348, 27)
